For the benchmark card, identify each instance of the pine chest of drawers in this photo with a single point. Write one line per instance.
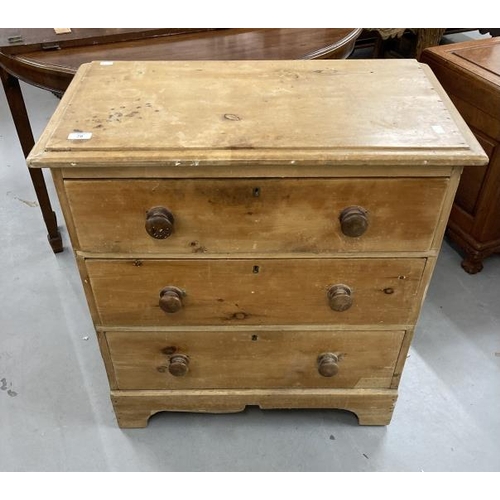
(255, 233)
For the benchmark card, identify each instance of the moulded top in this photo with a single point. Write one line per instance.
(327, 111)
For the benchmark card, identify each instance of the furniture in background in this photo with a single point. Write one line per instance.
(20, 49)
(42, 57)
(236, 250)
(470, 73)
(406, 42)
(411, 41)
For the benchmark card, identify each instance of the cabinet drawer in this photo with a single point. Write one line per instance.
(260, 291)
(253, 359)
(256, 215)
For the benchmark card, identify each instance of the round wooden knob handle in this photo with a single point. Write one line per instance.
(353, 221)
(171, 299)
(328, 364)
(340, 297)
(179, 365)
(159, 222)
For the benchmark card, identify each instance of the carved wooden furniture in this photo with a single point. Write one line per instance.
(48, 60)
(470, 73)
(255, 233)
(424, 37)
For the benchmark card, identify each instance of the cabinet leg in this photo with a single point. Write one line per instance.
(128, 421)
(374, 417)
(472, 264)
(131, 416)
(23, 128)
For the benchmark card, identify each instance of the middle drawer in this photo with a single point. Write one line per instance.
(256, 291)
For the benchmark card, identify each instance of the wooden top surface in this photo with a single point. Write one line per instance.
(480, 57)
(20, 40)
(343, 112)
(216, 44)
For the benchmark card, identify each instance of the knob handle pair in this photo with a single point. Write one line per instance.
(160, 222)
(339, 298)
(327, 365)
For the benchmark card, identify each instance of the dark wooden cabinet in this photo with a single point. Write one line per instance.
(470, 74)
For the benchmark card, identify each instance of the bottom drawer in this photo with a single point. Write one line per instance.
(253, 359)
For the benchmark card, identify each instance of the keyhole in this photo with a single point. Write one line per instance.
(254, 338)
(256, 192)
(256, 269)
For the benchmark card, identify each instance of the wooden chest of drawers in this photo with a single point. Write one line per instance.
(470, 74)
(255, 233)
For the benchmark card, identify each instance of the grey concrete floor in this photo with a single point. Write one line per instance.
(55, 412)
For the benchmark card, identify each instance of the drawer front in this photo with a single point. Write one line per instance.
(253, 359)
(255, 292)
(256, 215)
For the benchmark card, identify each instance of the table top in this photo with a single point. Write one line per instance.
(54, 69)
(338, 111)
(22, 40)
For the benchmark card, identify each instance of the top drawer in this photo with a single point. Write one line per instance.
(256, 215)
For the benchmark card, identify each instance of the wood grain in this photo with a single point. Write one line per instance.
(343, 111)
(231, 292)
(134, 408)
(255, 216)
(253, 359)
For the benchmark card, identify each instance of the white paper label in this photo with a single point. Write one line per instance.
(438, 129)
(106, 63)
(80, 136)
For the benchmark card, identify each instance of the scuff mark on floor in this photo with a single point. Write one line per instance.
(29, 203)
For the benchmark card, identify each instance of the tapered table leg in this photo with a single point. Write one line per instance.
(21, 121)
